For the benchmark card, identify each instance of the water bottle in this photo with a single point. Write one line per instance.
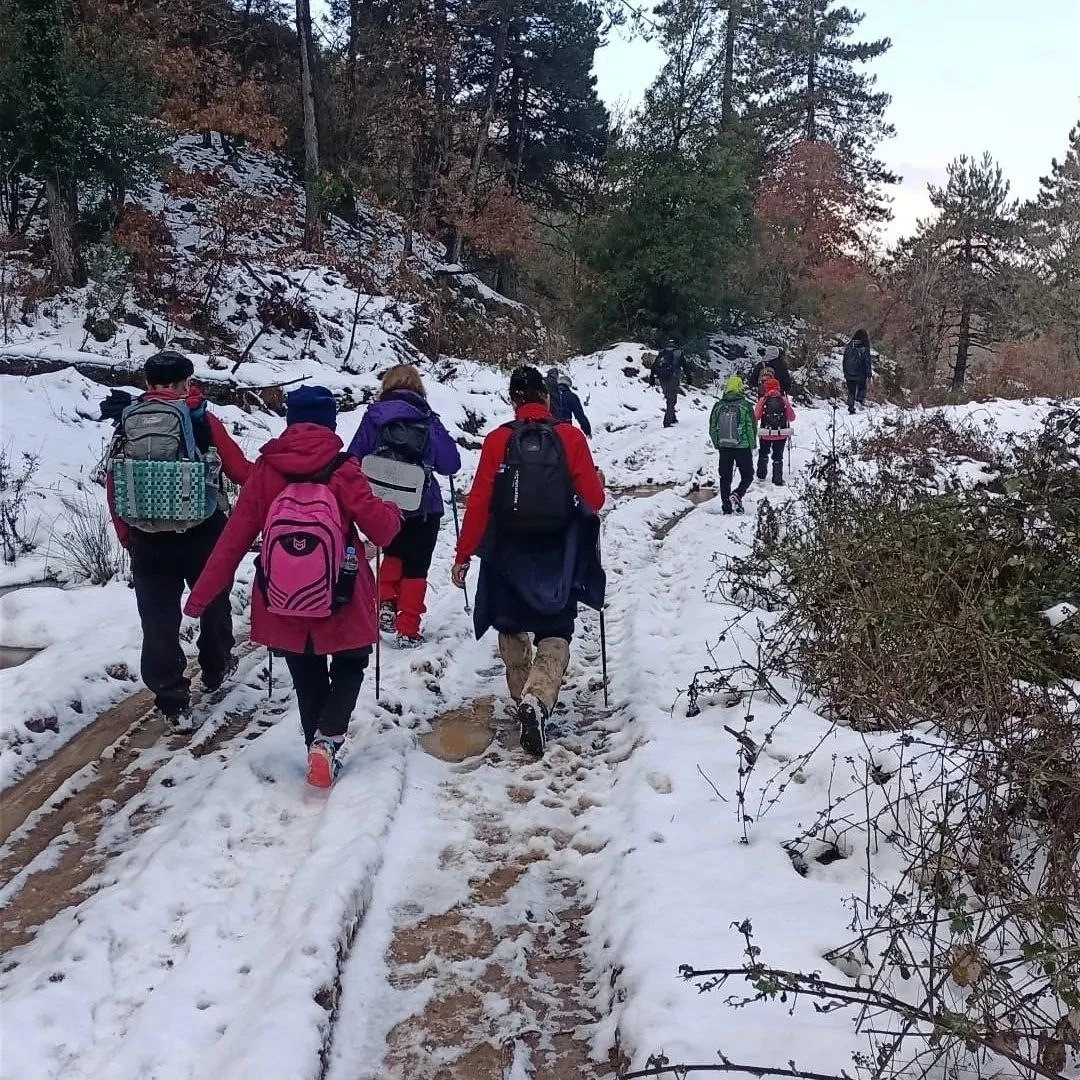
(346, 582)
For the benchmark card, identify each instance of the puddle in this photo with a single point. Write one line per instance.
(462, 733)
(12, 656)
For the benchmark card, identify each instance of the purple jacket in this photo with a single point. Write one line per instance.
(442, 454)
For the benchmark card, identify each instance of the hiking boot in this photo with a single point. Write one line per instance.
(737, 503)
(387, 616)
(181, 721)
(212, 681)
(533, 720)
(407, 641)
(726, 507)
(323, 762)
(778, 481)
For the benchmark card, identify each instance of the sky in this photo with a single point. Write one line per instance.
(965, 76)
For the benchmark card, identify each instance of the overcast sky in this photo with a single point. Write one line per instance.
(965, 76)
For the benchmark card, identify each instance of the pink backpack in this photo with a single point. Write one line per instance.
(303, 547)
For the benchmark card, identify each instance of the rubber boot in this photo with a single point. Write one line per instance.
(762, 464)
(411, 607)
(517, 654)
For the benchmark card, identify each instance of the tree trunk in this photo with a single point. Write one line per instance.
(963, 345)
(313, 225)
(353, 47)
(811, 72)
(501, 39)
(67, 264)
(727, 93)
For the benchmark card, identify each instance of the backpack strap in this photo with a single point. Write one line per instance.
(323, 475)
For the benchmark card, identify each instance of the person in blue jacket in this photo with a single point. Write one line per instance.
(565, 404)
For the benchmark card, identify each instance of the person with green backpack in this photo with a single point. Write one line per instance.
(164, 466)
(733, 431)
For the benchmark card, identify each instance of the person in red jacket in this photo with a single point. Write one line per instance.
(326, 656)
(775, 416)
(517, 570)
(163, 562)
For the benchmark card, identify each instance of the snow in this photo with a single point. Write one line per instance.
(228, 904)
(1060, 613)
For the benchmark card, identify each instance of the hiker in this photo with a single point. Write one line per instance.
(532, 517)
(313, 598)
(163, 476)
(733, 432)
(858, 369)
(565, 404)
(771, 366)
(667, 369)
(402, 426)
(775, 417)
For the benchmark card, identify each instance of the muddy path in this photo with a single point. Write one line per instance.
(55, 816)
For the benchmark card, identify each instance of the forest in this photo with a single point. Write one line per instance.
(746, 187)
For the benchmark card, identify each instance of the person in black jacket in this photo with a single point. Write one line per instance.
(668, 370)
(858, 369)
(565, 404)
(770, 358)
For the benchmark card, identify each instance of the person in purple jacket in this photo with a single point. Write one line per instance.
(407, 560)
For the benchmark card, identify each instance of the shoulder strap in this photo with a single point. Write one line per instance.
(323, 475)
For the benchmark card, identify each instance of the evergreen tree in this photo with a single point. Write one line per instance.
(74, 101)
(818, 92)
(975, 232)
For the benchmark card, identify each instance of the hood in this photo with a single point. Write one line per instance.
(400, 405)
(303, 449)
(733, 395)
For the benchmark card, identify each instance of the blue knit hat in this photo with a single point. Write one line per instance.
(311, 405)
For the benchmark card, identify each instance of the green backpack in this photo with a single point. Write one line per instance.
(161, 480)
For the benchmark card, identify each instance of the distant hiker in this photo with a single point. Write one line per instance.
(734, 434)
(858, 369)
(531, 516)
(667, 369)
(163, 480)
(565, 404)
(775, 417)
(313, 598)
(401, 425)
(771, 366)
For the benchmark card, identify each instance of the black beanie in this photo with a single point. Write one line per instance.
(167, 367)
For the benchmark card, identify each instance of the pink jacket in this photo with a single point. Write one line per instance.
(774, 436)
(303, 450)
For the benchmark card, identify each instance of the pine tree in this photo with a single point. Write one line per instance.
(975, 232)
(313, 223)
(819, 93)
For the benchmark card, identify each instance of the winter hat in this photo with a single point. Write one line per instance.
(526, 383)
(563, 379)
(734, 385)
(772, 386)
(771, 352)
(311, 405)
(167, 367)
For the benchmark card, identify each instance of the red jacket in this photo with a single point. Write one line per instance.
(774, 436)
(233, 462)
(477, 509)
(303, 450)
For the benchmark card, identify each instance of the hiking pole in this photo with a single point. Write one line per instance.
(378, 629)
(270, 676)
(457, 533)
(603, 655)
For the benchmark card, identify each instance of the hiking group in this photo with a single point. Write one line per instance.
(321, 513)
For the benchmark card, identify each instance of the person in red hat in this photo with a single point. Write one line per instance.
(775, 416)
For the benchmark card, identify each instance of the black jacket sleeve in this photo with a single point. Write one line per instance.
(579, 415)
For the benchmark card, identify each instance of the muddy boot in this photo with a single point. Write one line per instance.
(517, 654)
(541, 692)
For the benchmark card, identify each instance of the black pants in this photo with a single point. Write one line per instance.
(775, 448)
(414, 545)
(730, 457)
(161, 564)
(671, 398)
(856, 391)
(326, 689)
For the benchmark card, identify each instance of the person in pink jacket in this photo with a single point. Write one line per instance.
(327, 655)
(775, 416)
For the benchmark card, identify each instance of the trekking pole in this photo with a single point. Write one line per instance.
(270, 677)
(378, 629)
(603, 655)
(457, 534)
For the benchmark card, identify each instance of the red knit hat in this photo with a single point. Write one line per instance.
(772, 386)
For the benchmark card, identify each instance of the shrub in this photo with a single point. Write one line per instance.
(87, 544)
(16, 487)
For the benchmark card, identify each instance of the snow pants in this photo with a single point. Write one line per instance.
(326, 689)
(856, 391)
(405, 567)
(730, 458)
(773, 448)
(670, 388)
(161, 565)
(538, 674)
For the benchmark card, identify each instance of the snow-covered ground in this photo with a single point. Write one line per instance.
(236, 925)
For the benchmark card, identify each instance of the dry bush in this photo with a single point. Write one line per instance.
(86, 544)
(1027, 368)
(17, 535)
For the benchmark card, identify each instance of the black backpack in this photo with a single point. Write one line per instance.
(405, 440)
(534, 492)
(774, 415)
(667, 363)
